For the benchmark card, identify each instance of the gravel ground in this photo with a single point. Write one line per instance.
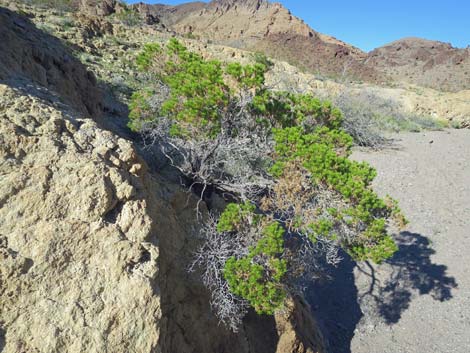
(419, 301)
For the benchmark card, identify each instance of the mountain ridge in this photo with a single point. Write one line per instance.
(261, 25)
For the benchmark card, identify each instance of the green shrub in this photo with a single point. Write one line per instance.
(234, 216)
(261, 58)
(140, 111)
(284, 157)
(191, 35)
(248, 76)
(148, 54)
(287, 109)
(258, 276)
(198, 92)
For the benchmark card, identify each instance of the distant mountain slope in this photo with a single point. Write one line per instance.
(259, 25)
(424, 62)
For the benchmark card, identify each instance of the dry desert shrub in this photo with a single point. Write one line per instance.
(281, 161)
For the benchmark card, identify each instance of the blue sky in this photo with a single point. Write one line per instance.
(369, 24)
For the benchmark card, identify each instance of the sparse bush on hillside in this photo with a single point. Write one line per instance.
(282, 157)
(191, 35)
(367, 116)
(129, 16)
(360, 122)
(262, 59)
(455, 124)
(60, 5)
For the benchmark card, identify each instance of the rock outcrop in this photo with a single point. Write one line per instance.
(94, 245)
(98, 7)
(77, 237)
(78, 241)
(269, 27)
(424, 62)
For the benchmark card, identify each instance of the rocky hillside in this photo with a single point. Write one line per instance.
(259, 25)
(424, 62)
(403, 100)
(108, 47)
(30, 55)
(94, 244)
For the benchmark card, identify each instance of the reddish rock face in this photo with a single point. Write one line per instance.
(260, 25)
(424, 62)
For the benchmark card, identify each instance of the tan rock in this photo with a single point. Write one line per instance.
(80, 272)
(297, 330)
(94, 257)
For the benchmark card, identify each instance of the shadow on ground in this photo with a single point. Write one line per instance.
(335, 306)
(2, 339)
(409, 273)
(413, 272)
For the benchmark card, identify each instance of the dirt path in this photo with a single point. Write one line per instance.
(419, 301)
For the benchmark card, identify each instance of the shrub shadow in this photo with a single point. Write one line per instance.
(410, 272)
(2, 339)
(335, 306)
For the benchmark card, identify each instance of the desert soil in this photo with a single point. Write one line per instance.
(418, 301)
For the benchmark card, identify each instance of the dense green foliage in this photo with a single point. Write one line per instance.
(261, 58)
(257, 276)
(147, 55)
(140, 110)
(199, 91)
(309, 163)
(260, 282)
(318, 154)
(235, 216)
(285, 109)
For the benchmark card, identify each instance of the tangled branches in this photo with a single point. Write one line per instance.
(234, 161)
(211, 257)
